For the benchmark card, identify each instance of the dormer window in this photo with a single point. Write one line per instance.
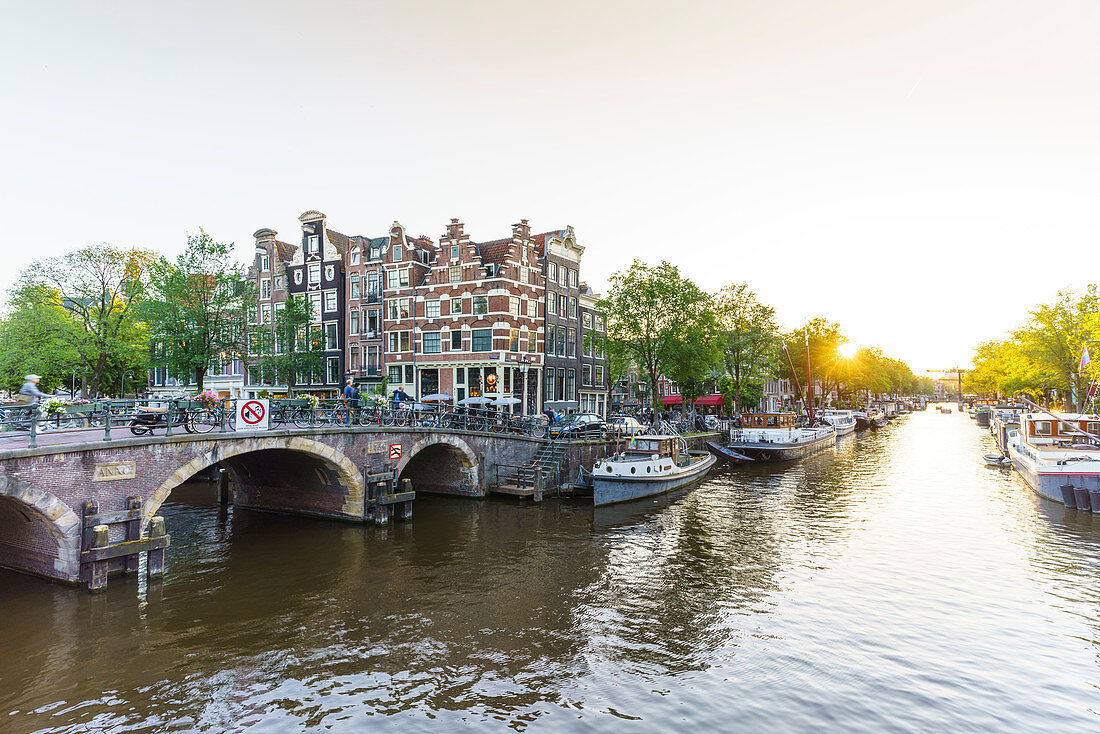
(376, 252)
(397, 253)
(355, 256)
(491, 270)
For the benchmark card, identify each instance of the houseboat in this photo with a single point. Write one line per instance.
(844, 421)
(1055, 450)
(777, 437)
(863, 422)
(648, 465)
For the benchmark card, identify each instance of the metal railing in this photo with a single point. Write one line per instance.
(173, 416)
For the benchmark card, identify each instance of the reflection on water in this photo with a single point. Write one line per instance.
(894, 584)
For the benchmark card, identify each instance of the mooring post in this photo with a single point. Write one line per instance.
(168, 419)
(133, 532)
(155, 557)
(97, 573)
(406, 506)
(34, 426)
(538, 485)
(223, 487)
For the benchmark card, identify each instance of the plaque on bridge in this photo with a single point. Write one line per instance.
(253, 415)
(114, 470)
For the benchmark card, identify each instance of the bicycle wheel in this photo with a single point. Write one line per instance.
(302, 417)
(204, 421)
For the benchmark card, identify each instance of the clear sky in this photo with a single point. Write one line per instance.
(922, 172)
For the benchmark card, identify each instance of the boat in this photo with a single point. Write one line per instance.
(1058, 454)
(999, 460)
(877, 417)
(725, 452)
(649, 465)
(777, 437)
(863, 422)
(844, 421)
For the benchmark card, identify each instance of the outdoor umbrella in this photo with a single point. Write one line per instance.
(474, 401)
(438, 397)
(506, 401)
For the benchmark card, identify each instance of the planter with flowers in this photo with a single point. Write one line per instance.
(205, 400)
(52, 407)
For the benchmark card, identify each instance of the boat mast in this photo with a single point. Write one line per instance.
(809, 377)
(794, 374)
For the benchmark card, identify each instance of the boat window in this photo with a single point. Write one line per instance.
(1093, 427)
(1041, 428)
(773, 420)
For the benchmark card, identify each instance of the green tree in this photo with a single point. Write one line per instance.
(1052, 340)
(651, 311)
(197, 308)
(825, 338)
(749, 340)
(38, 335)
(290, 347)
(691, 360)
(100, 287)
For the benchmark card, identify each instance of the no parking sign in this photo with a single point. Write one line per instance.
(253, 415)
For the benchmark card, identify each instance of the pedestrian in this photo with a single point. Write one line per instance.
(30, 394)
(351, 395)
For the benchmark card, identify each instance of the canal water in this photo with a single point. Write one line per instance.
(895, 584)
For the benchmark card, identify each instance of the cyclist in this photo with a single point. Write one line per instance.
(29, 396)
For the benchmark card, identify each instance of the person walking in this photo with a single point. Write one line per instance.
(351, 397)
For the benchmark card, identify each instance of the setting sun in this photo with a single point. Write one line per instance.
(848, 350)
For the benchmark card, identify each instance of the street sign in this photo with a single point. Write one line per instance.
(253, 415)
(395, 451)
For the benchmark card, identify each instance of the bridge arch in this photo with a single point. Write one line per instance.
(333, 467)
(24, 512)
(442, 464)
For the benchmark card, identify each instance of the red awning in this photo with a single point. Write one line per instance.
(672, 400)
(709, 400)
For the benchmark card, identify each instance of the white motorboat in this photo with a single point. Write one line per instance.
(1058, 455)
(648, 465)
(844, 421)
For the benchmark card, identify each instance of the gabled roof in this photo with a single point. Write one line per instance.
(494, 252)
(540, 240)
(285, 250)
(339, 241)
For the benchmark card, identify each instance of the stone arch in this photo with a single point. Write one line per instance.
(59, 520)
(465, 469)
(344, 469)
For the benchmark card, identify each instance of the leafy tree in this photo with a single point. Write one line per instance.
(291, 347)
(1053, 337)
(825, 338)
(197, 308)
(100, 287)
(651, 313)
(691, 360)
(749, 340)
(38, 336)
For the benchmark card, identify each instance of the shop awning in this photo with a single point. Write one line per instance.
(709, 400)
(672, 400)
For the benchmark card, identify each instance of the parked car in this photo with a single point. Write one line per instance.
(625, 425)
(579, 425)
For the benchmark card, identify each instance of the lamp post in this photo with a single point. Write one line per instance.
(416, 377)
(124, 376)
(72, 394)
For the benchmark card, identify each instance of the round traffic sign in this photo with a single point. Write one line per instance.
(252, 412)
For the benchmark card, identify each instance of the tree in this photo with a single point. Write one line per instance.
(650, 312)
(1053, 337)
(748, 339)
(100, 287)
(291, 347)
(197, 308)
(37, 336)
(825, 338)
(694, 357)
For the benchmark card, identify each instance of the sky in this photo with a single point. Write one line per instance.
(923, 173)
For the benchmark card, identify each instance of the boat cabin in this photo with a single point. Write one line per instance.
(769, 420)
(648, 445)
(1040, 429)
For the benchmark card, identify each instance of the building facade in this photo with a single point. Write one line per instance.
(560, 259)
(593, 389)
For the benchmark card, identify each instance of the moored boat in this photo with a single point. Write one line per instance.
(776, 437)
(863, 422)
(649, 465)
(1056, 451)
(725, 452)
(844, 421)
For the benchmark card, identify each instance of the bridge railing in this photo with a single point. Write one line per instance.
(183, 415)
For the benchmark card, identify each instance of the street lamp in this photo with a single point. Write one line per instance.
(523, 367)
(124, 376)
(416, 377)
(72, 394)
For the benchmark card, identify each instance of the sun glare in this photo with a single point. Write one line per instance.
(848, 350)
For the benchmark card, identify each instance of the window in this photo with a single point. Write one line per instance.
(513, 340)
(456, 305)
(587, 320)
(573, 278)
(586, 346)
(330, 337)
(355, 286)
(313, 244)
(599, 375)
(482, 340)
(523, 275)
(1042, 428)
(1093, 428)
(374, 287)
(456, 341)
(376, 252)
(330, 300)
(551, 304)
(354, 323)
(315, 273)
(570, 385)
(599, 323)
(481, 304)
(315, 305)
(398, 341)
(563, 305)
(354, 359)
(549, 389)
(532, 342)
(396, 251)
(586, 374)
(398, 308)
(279, 283)
(265, 288)
(373, 323)
(551, 338)
(571, 350)
(265, 262)
(561, 342)
(409, 374)
(431, 342)
(572, 308)
(355, 256)
(523, 254)
(454, 252)
(513, 305)
(431, 309)
(265, 314)
(552, 271)
(395, 374)
(454, 273)
(374, 357)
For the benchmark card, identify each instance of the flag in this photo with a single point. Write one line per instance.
(1085, 359)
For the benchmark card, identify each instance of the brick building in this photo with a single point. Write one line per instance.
(593, 385)
(560, 260)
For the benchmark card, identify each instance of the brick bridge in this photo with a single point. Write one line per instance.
(324, 472)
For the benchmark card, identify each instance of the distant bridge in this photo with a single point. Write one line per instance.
(54, 495)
